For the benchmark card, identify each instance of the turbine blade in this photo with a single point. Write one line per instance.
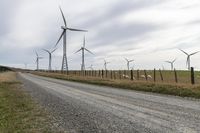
(126, 59)
(46, 50)
(54, 50)
(88, 51)
(174, 60)
(60, 37)
(84, 42)
(63, 17)
(183, 51)
(195, 53)
(36, 53)
(77, 30)
(187, 61)
(168, 62)
(78, 51)
(131, 60)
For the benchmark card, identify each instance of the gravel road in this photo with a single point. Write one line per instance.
(96, 109)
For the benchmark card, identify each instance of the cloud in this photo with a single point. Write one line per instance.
(141, 29)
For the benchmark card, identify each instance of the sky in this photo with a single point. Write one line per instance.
(148, 31)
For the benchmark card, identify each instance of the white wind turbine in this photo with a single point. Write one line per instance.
(172, 63)
(105, 64)
(128, 63)
(83, 54)
(65, 28)
(37, 60)
(50, 57)
(188, 57)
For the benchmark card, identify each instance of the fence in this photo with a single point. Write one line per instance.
(165, 76)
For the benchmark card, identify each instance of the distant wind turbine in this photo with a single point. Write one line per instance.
(50, 56)
(65, 28)
(25, 65)
(105, 64)
(91, 67)
(172, 63)
(188, 57)
(38, 60)
(128, 62)
(83, 54)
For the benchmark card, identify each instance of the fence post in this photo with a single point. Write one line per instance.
(154, 75)
(114, 74)
(120, 75)
(111, 74)
(192, 76)
(175, 74)
(145, 73)
(102, 73)
(138, 74)
(161, 76)
(131, 74)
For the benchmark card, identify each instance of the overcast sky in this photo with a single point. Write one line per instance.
(148, 31)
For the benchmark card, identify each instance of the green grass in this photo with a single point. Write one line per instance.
(162, 88)
(19, 113)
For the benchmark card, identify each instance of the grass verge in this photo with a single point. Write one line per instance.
(170, 89)
(18, 112)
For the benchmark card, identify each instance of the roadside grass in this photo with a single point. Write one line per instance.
(183, 90)
(18, 112)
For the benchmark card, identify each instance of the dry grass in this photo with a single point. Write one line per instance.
(18, 112)
(183, 90)
(8, 77)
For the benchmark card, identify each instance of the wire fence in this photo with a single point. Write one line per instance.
(157, 76)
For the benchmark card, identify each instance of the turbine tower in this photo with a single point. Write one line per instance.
(83, 54)
(172, 63)
(63, 35)
(128, 62)
(105, 64)
(188, 57)
(50, 56)
(37, 60)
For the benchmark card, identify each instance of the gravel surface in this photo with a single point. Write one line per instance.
(96, 109)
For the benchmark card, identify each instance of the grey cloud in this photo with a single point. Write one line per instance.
(116, 33)
(119, 8)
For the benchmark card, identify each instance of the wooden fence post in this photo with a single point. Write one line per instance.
(145, 73)
(192, 76)
(138, 74)
(154, 75)
(102, 74)
(175, 74)
(114, 74)
(131, 74)
(120, 75)
(161, 76)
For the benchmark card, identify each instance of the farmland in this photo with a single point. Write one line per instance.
(183, 88)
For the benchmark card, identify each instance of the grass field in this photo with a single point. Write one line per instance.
(18, 112)
(183, 90)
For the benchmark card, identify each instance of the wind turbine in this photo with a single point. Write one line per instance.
(63, 35)
(50, 56)
(172, 63)
(188, 57)
(128, 62)
(83, 54)
(25, 65)
(105, 64)
(91, 67)
(38, 60)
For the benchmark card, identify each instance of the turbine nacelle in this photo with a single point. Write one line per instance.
(64, 27)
